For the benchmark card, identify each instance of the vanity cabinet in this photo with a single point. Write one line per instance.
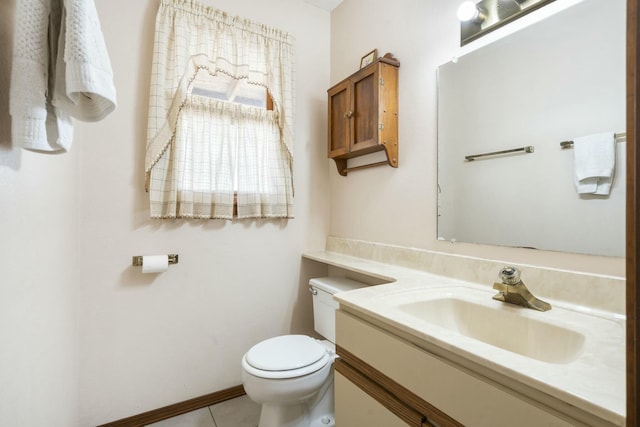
(358, 408)
(383, 373)
(363, 114)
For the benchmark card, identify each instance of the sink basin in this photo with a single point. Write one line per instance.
(511, 328)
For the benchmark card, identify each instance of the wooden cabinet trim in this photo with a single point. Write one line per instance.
(632, 228)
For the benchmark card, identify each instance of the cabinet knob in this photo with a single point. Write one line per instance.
(348, 114)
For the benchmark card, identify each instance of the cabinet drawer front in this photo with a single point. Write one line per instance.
(463, 396)
(403, 402)
(355, 408)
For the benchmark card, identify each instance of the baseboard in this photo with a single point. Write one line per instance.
(178, 408)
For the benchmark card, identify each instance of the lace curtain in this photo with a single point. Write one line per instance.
(204, 155)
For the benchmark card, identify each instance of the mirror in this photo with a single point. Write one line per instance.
(558, 79)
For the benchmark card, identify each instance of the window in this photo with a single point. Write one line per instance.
(228, 89)
(220, 125)
(239, 91)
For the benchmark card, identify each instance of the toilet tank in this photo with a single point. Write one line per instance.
(324, 307)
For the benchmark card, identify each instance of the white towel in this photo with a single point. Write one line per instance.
(84, 79)
(60, 70)
(594, 163)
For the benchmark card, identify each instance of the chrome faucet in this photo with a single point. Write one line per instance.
(513, 291)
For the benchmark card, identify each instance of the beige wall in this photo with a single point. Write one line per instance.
(398, 206)
(149, 341)
(38, 267)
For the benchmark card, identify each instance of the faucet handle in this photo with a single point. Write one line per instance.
(501, 287)
(509, 275)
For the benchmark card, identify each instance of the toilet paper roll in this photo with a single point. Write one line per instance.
(155, 263)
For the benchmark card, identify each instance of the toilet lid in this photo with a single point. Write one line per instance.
(285, 353)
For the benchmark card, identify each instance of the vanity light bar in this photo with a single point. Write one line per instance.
(492, 14)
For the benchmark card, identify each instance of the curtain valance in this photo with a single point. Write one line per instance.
(194, 41)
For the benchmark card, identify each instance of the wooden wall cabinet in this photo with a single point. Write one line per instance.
(363, 114)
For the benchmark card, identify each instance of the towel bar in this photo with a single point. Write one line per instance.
(619, 137)
(370, 165)
(527, 149)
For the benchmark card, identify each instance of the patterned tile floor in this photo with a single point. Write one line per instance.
(238, 412)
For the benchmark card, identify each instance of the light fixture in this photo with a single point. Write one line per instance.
(471, 12)
(507, 8)
(479, 17)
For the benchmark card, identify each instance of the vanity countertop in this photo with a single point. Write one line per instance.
(593, 382)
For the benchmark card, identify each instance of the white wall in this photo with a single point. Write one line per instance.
(38, 265)
(398, 206)
(149, 341)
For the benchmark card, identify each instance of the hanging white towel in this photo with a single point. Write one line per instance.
(594, 163)
(84, 79)
(60, 70)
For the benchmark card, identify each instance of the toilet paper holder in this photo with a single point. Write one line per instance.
(136, 260)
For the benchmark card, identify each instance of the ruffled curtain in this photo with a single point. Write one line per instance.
(202, 152)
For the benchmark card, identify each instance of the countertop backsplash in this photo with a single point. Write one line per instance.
(599, 292)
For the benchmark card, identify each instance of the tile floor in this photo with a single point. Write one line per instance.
(238, 412)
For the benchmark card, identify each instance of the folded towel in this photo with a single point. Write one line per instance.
(594, 163)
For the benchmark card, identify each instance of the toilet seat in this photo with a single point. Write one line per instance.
(286, 356)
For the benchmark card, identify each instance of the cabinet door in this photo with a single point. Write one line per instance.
(340, 113)
(355, 408)
(365, 109)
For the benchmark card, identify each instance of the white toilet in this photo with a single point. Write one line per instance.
(291, 376)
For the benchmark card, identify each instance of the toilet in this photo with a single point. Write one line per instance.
(291, 376)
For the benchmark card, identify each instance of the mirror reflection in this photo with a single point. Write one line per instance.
(560, 79)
